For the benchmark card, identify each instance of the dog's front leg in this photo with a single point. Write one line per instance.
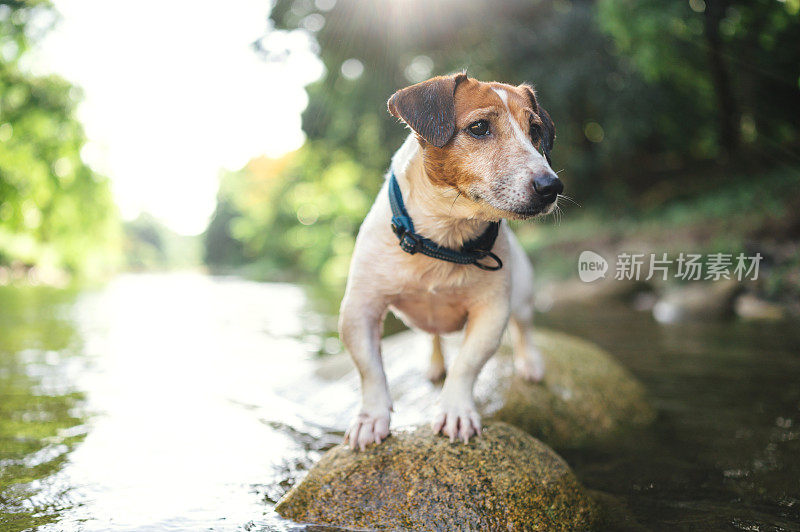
(457, 416)
(360, 331)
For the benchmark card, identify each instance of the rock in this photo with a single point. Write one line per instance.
(586, 397)
(505, 480)
(707, 300)
(576, 291)
(751, 307)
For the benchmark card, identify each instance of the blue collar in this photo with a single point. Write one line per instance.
(410, 242)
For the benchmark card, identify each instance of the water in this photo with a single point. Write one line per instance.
(184, 402)
(725, 451)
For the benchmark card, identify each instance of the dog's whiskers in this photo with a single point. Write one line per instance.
(571, 200)
(559, 214)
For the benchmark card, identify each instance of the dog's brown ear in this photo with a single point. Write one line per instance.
(545, 133)
(429, 108)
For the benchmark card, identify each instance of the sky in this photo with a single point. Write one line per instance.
(174, 94)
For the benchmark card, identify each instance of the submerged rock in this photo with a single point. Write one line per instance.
(703, 301)
(751, 307)
(505, 480)
(585, 397)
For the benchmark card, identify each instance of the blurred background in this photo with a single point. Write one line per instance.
(253, 140)
(248, 139)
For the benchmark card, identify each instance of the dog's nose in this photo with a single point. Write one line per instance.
(548, 186)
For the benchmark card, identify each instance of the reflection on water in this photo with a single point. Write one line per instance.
(39, 423)
(162, 369)
(184, 402)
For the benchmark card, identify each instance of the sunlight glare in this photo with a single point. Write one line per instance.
(174, 92)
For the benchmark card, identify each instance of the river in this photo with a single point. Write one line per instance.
(187, 402)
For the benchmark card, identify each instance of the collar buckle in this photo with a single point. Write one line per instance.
(410, 242)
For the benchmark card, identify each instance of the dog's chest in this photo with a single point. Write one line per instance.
(432, 311)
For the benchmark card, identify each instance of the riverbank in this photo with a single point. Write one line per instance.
(731, 219)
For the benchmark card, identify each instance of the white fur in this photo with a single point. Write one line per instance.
(434, 296)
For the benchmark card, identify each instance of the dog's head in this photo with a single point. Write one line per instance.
(489, 141)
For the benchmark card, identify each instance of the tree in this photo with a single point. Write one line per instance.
(734, 64)
(54, 209)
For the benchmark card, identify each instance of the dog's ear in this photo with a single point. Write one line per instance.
(544, 133)
(548, 133)
(429, 108)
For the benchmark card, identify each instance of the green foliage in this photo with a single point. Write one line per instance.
(296, 215)
(727, 64)
(220, 249)
(150, 245)
(54, 210)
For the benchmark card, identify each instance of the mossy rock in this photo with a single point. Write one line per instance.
(586, 396)
(505, 480)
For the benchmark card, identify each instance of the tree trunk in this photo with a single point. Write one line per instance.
(727, 108)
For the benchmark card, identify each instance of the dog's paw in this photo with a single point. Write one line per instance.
(457, 421)
(530, 366)
(367, 428)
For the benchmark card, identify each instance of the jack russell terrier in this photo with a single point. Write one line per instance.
(434, 247)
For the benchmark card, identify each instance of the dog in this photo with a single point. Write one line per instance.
(478, 154)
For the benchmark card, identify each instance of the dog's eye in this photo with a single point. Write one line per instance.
(479, 128)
